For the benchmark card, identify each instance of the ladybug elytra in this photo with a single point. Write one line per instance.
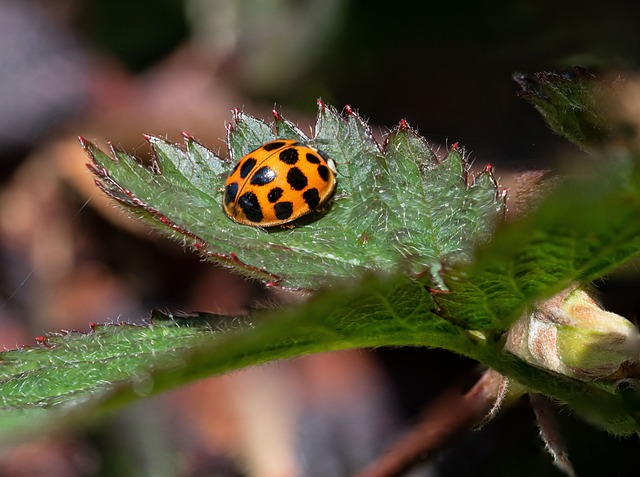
(277, 183)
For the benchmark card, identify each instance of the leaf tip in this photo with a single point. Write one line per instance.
(88, 147)
(321, 105)
(236, 114)
(349, 110)
(85, 144)
(277, 116)
(189, 138)
(43, 341)
(113, 151)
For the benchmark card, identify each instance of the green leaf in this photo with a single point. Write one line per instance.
(582, 230)
(579, 232)
(70, 365)
(116, 364)
(579, 106)
(72, 368)
(394, 205)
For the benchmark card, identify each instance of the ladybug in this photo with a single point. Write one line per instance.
(277, 183)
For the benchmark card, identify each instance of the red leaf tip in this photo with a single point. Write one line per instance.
(321, 105)
(403, 124)
(488, 168)
(348, 109)
(276, 114)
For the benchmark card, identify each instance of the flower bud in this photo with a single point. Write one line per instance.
(572, 335)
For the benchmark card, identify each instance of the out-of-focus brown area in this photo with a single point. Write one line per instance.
(68, 256)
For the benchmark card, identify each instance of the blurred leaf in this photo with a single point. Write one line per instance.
(578, 105)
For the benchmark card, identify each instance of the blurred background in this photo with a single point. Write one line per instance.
(111, 70)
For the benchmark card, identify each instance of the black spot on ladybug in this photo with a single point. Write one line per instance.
(249, 204)
(312, 158)
(263, 176)
(247, 166)
(296, 179)
(230, 192)
(323, 172)
(289, 156)
(274, 194)
(271, 146)
(311, 197)
(283, 210)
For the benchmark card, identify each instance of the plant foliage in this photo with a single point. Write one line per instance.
(395, 205)
(407, 239)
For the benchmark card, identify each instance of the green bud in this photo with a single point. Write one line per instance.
(572, 335)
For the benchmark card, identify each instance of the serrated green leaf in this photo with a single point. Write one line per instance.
(287, 130)
(358, 156)
(392, 206)
(245, 134)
